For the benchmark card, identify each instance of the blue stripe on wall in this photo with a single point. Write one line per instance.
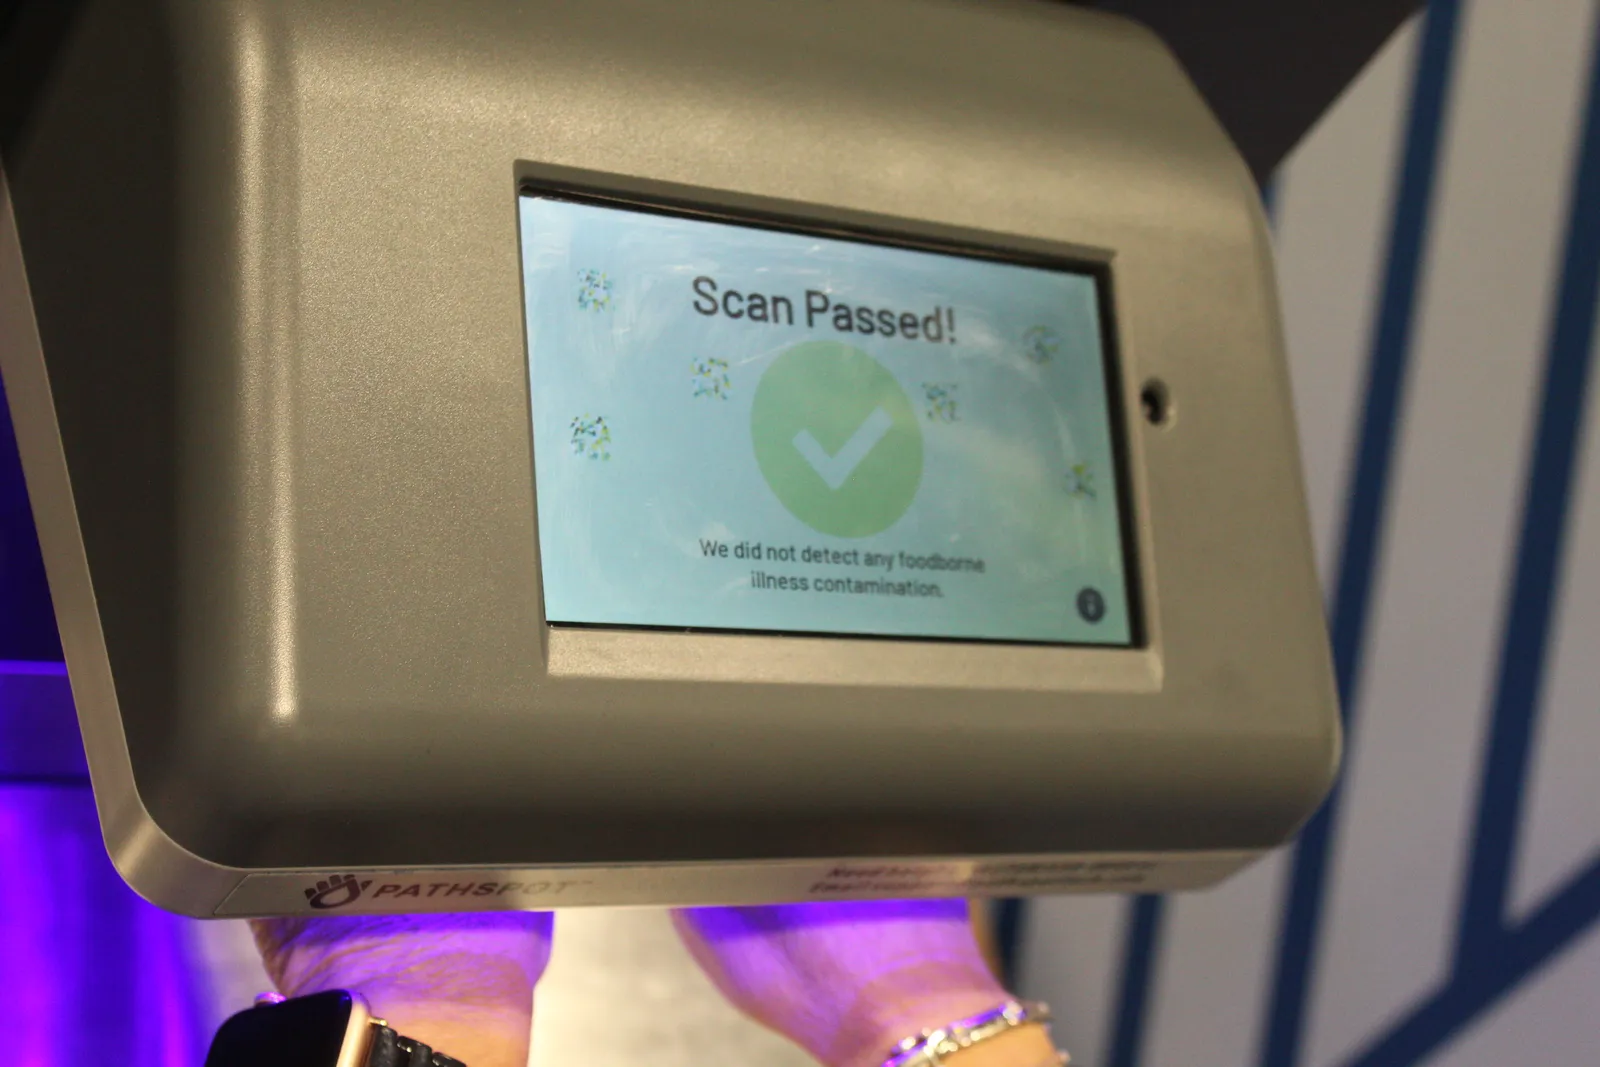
(1010, 916)
(1147, 914)
(1271, 197)
(1539, 557)
(1555, 927)
(1289, 991)
(1130, 1023)
(1492, 959)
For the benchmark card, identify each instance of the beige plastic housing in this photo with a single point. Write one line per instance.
(261, 330)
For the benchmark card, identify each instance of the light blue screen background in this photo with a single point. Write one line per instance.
(643, 448)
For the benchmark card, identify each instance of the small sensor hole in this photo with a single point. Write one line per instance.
(1156, 402)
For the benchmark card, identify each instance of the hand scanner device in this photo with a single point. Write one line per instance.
(498, 454)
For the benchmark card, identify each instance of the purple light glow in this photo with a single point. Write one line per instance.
(33, 667)
(92, 974)
(845, 980)
(717, 923)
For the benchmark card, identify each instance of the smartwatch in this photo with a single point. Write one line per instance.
(330, 1029)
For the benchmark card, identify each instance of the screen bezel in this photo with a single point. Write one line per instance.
(880, 235)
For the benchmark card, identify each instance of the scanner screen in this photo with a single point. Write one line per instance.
(746, 427)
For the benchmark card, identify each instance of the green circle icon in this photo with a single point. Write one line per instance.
(836, 439)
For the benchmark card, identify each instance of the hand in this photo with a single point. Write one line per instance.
(846, 981)
(461, 983)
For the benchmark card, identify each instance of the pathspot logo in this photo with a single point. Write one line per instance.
(336, 892)
(342, 890)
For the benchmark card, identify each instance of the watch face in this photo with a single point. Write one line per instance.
(304, 1032)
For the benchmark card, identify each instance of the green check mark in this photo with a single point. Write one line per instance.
(836, 439)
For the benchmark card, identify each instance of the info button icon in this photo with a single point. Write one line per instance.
(1091, 605)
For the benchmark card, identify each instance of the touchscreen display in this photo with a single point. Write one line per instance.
(739, 427)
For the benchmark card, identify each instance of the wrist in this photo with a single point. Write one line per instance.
(462, 984)
(886, 1020)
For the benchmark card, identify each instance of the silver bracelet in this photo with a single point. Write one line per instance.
(928, 1048)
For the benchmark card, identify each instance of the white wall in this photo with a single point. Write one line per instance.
(1389, 980)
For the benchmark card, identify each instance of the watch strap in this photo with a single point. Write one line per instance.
(389, 1049)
